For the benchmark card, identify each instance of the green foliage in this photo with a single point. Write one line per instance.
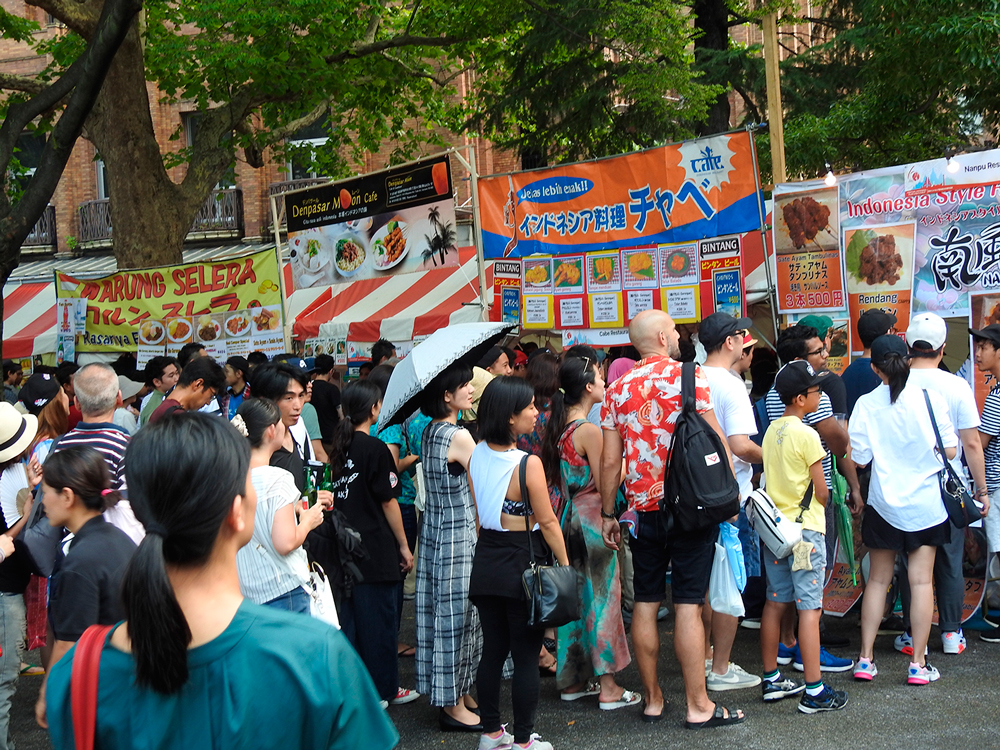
(579, 78)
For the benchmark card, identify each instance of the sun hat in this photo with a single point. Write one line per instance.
(16, 431)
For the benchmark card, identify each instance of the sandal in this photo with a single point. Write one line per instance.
(628, 699)
(409, 651)
(591, 688)
(722, 717)
(652, 718)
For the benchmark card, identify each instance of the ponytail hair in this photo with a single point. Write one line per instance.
(83, 470)
(357, 402)
(575, 374)
(896, 368)
(257, 415)
(183, 474)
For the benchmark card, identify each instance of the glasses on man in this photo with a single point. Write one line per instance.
(821, 350)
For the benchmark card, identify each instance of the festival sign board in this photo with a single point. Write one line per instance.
(808, 266)
(721, 276)
(158, 310)
(686, 191)
(396, 221)
(680, 275)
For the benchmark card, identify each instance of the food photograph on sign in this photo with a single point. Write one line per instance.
(604, 272)
(639, 268)
(398, 221)
(807, 256)
(568, 275)
(679, 264)
(537, 275)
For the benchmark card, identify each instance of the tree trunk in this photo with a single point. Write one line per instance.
(712, 20)
(151, 213)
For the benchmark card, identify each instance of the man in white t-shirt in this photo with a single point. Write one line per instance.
(925, 338)
(722, 335)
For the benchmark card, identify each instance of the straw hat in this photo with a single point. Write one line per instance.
(16, 431)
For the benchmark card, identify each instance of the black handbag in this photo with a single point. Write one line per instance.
(962, 509)
(553, 591)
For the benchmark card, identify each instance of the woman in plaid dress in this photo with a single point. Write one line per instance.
(449, 638)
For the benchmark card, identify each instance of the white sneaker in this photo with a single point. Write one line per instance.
(735, 678)
(384, 704)
(503, 742)
(535, 743)
(953, 643)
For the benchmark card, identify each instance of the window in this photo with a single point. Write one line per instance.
(310, 138)
(28, 153)
(102, 179)
(190, 121)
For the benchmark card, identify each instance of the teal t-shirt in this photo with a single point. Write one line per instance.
(271, 679)
(311, 420)
(394, 436)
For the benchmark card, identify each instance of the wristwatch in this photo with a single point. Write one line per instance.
(609, 516)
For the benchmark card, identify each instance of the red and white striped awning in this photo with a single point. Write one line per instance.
(394, 307)
(29, 319)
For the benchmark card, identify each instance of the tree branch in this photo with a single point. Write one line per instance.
(306, 120)
(366, 49)
(27, 84)
(413, 71)
(81, 17)
(413, 14)
(374, 22)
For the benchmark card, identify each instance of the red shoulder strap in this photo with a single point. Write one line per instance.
(83, 684)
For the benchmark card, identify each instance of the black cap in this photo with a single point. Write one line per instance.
(719, 326)
(38, 391)
(990, 332)
(795, 378)
(239, 363)
(322, 364)
(874, 323)
(885, 346)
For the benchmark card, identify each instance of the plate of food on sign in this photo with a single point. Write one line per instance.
(179, 330)
(238, 324)
(208, 328)
(349, 255)
(389, 245)
(265, 320)
(151, 332)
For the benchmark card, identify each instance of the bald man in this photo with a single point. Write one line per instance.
(638, 417)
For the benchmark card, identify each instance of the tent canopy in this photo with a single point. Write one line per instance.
(394, 307)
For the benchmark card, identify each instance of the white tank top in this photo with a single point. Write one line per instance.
(490, 472)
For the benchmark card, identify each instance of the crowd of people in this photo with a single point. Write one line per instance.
(194, 501)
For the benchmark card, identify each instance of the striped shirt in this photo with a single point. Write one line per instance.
(106, 438)
(991, 426)
(264, 573)
(775, 408)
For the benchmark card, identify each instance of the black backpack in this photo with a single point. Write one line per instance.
(700, 489)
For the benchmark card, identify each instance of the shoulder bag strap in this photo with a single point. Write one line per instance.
(806, 502)
(83, 684)
(937, 435)
(522, 474)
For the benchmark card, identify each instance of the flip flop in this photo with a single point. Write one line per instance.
(410, 651)
(628, 699)
(719, 719)
(652, 718)
(589, 690)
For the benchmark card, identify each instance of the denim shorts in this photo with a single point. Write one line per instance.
(804, 587)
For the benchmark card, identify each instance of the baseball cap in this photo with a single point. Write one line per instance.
(795, 378)
(990, 332)
(38, 391)
(322, 364)
(719, 326)
(822, 323)
(237, 363)
(874, 323)
(293, 361)
(128, 387)
(926, 331)
(886, 345)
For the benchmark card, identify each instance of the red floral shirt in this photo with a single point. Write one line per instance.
(642, 405)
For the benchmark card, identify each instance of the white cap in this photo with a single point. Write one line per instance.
(927, 328)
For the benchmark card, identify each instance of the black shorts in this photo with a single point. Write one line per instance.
(877, 533)
(655, 547)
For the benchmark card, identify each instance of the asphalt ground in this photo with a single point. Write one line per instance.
(958, 711)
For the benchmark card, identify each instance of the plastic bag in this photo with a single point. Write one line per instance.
(723, 594)
(729, 537)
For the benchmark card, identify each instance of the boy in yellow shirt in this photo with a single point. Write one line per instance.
(793, 470)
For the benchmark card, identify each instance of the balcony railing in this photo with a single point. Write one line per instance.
(220, 216)
(279, 188)
(43, 234)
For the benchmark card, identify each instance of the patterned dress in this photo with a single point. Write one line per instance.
(449, 638)
(594, 645)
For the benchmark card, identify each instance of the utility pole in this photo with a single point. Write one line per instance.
(776, 126)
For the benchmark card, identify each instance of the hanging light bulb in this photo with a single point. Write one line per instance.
(831, 178)
(953, 166)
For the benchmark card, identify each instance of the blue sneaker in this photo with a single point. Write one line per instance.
(828, 700)
(827, 662)
(787, 655)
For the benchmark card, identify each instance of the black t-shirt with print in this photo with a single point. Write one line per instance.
(368, 481)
